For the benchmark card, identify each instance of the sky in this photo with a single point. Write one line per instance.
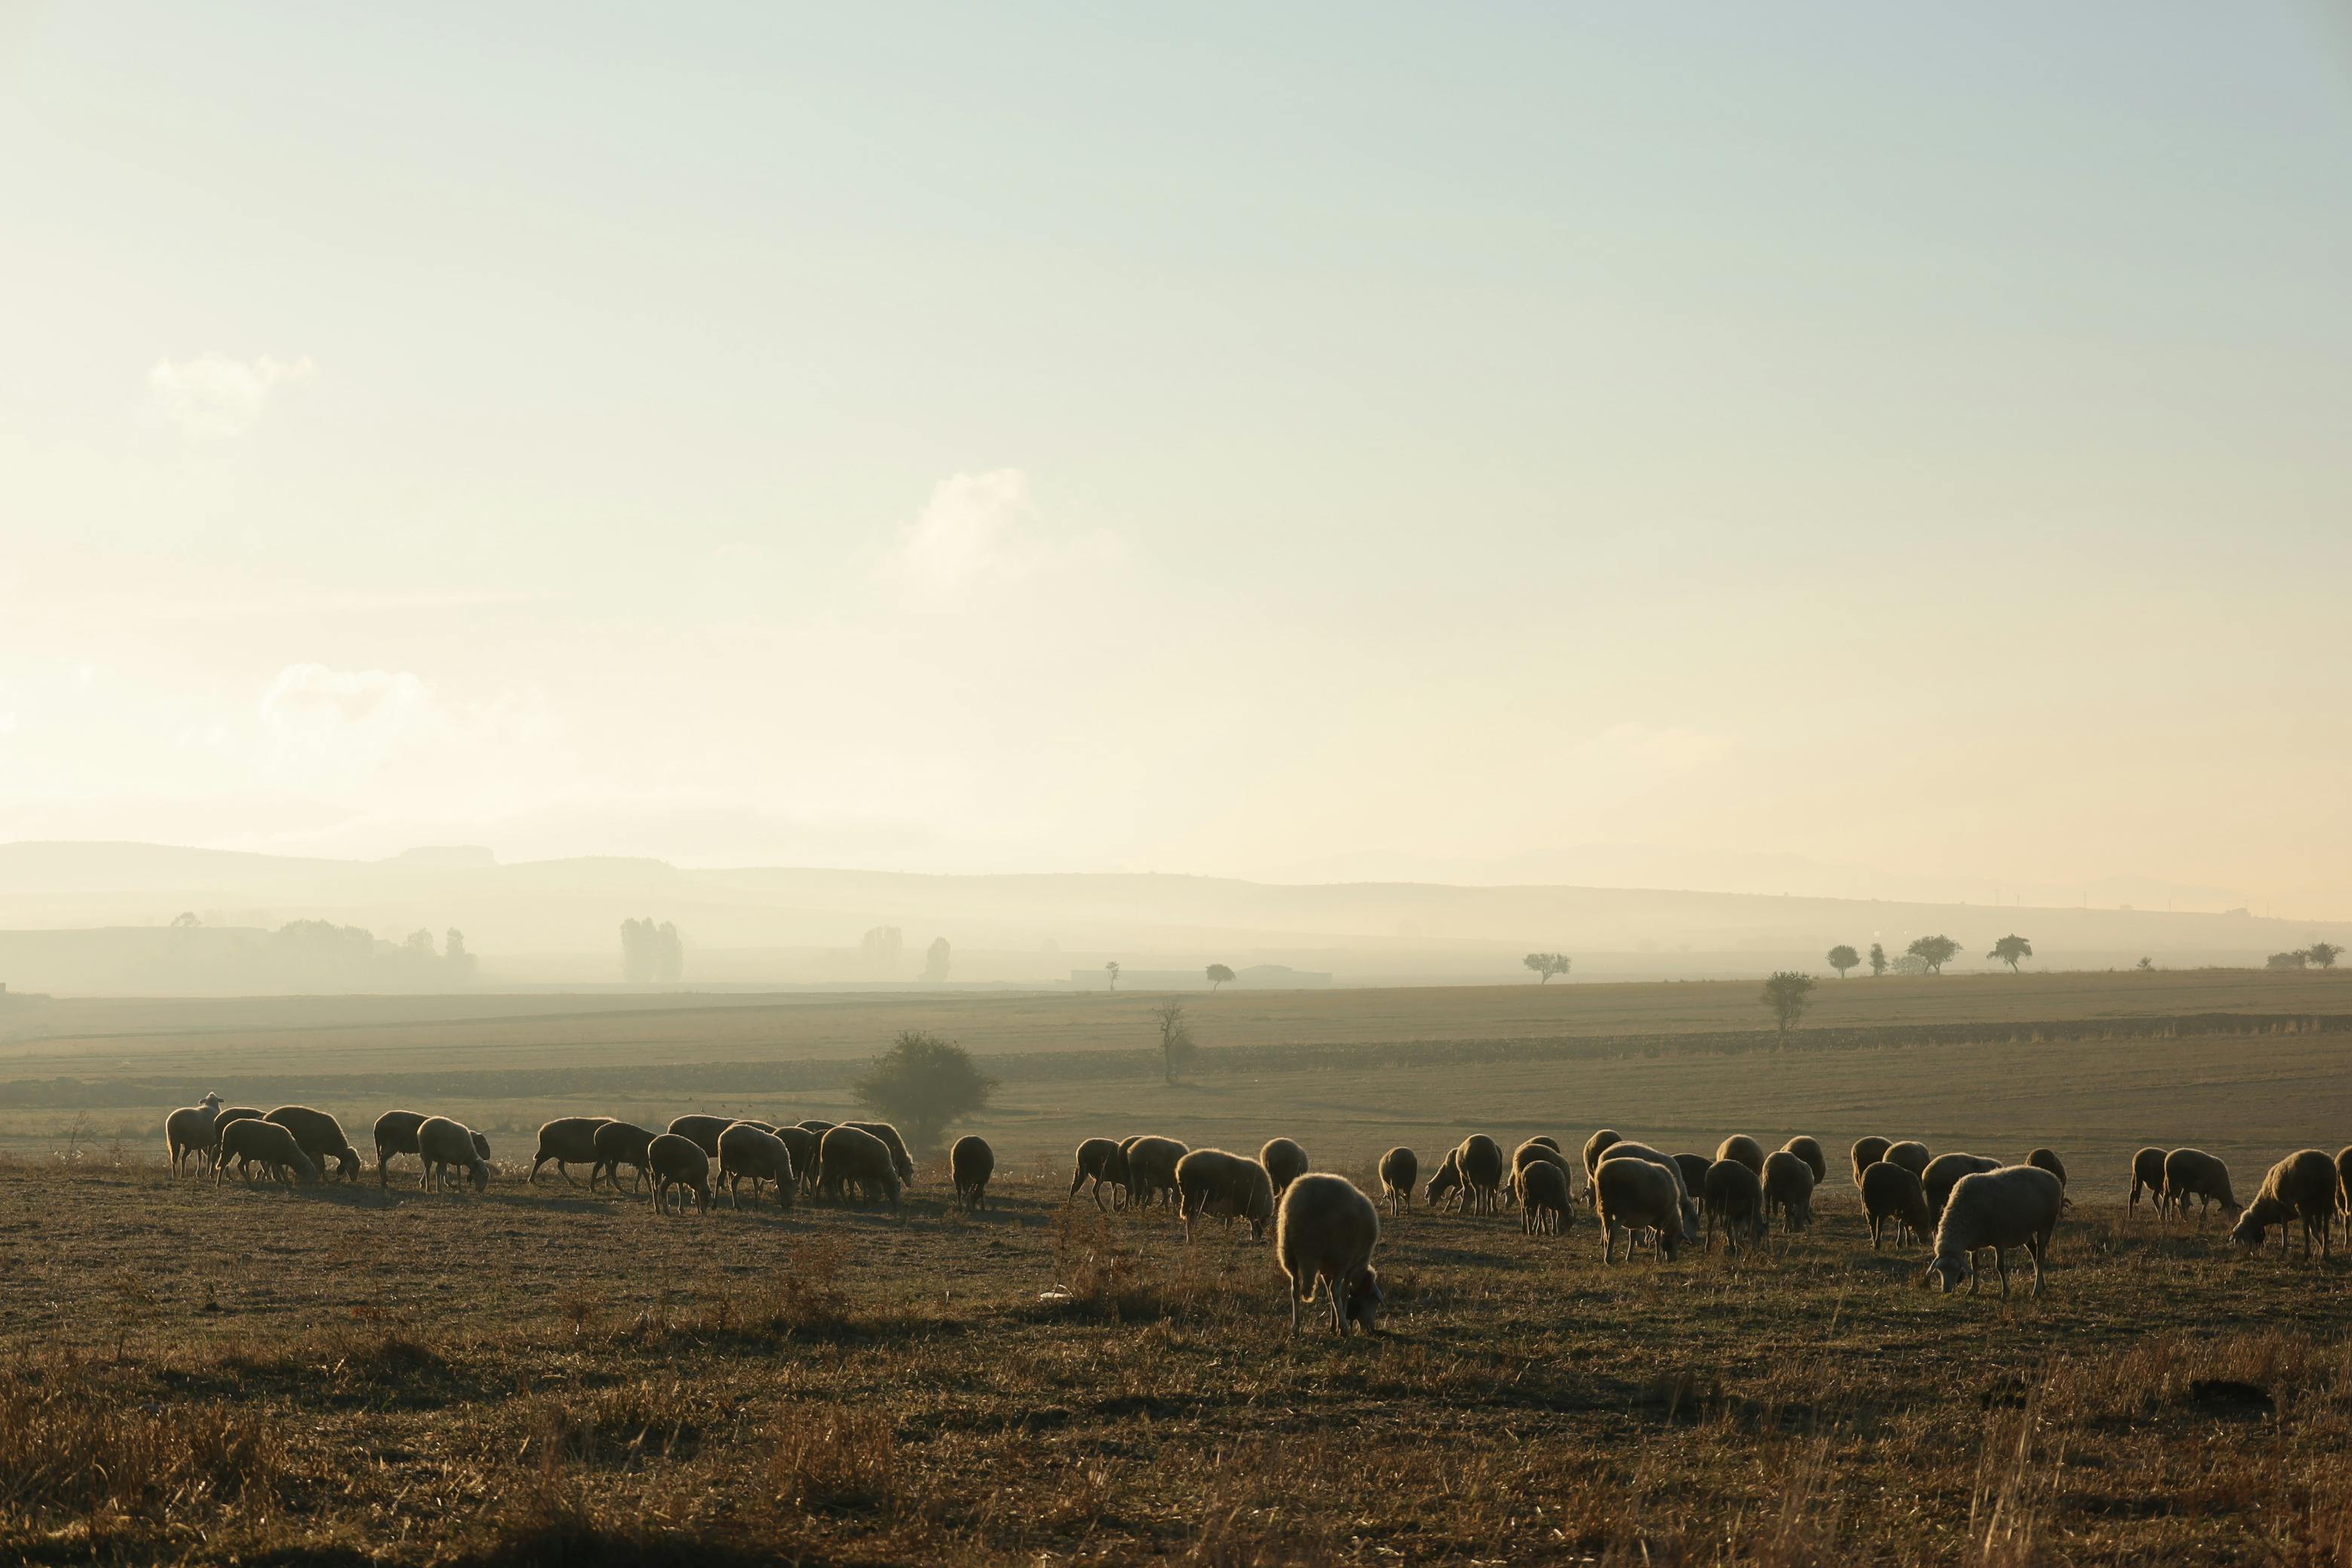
(1301, 441)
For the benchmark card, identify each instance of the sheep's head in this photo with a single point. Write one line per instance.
(2248, 1231)
(480, 1171)
(1951, 1269)
(1690, 1220)
(347, 1166)
(1365, 1299)
(211, 1101)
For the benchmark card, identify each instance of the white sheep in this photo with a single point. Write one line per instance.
(321, 1137)
(1635, 1194)
(250, 1140)
(749, 1150)
(2303, 1186)
(446, 1145)
(1543, 1198)
(1400, 1167)
(2194, 1174)
(677, 1161)
(188, 1131)
(1789, 1189)
(616, 1144)
(1891, 1192)
(1226, 1185)
(1151, 1167)
(1324, 1236)
(852, 1154)
(1098, 1159)
(1733, 1195)
(2016, 1205)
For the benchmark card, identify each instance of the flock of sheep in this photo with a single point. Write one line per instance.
(1325, 1230)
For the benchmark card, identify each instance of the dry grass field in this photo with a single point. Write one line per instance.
(336, 1374)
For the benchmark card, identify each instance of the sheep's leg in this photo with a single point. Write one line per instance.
(2000, 1262)
(2034, 1244)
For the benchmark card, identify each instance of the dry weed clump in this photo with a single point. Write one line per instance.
(833, 1459)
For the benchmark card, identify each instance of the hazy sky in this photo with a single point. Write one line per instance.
(1217, 438)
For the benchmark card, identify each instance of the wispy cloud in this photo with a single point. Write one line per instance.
(214, 397)
(982, 529)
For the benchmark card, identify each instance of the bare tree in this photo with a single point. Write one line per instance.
(1177, 1047)
(1111, 969)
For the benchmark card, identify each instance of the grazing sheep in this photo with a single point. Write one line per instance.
(971, 1163)
(1911, 1154)
(616, 1144)
(321, 1137)
(1479, 1159)
(221, 1119)
(2048, 1160)
(2016, 1205)
(1533, 1151)
(2194, 1174)
(1789, 1189)
(1694, 1169)
(1809, 1150)
(1634, 1195)
(249, 1139)
(1890, 1192)
(703, 1131)
(1399, 1168)
(801, 1142)
(1544, 1197)
(1229, 1186)
(1744, 1149)
(747, 1149)
(854, 1154)
(1324, 1236)
(1733, 1195)
(188, 1131)
(1593, 1147)
(2344, 1178)
(677, 1161)
(819, 1128)
(395, 1133)
(568, 1141)
(1867, 1152)
(1098, 1159)
(1626, 1149)
(1547, 1140)
(1945, 1171)
(1447, 1182)
(1151, 1168)
(2302, 1186)
(1285, 1163)
(899, 1160)
(2147, 1175)
(448, 1145)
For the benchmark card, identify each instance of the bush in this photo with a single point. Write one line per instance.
(924, 1085)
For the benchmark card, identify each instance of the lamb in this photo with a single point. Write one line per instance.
(1098, 1159)
(1285, 1163)
(1479, 1159)
(568, 1141)
(1230, 1186)
(1744, 1149)
(1809, 1150)
(1867, 1152)
(1735, 1195)
(1400, 1167)
(188, 1131)
(1634, 1194)
(2147, 1174)
(1789, 1188)
(677, 1161)
(703, 1131)
(2303, 1186)
(321, 1137)
(2048, 1160)
(1448, 1182)
(2194, 1174)
(747, 1149)
(1890, 1192)
(971, 1163)
(1324, 1236)
(853, 1155)
(248, 1140)
(1151, 1167)
(899, 1160)
(1945, 1171)
(616, 1144)
(445, 1145)
(2016, 1205)
(1543, 1198)
(397, 1132)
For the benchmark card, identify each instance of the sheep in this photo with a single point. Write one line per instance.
(1694, 1169)
(1744, 1149)
(1447, 1182)
(1479, 1159)
(899, 1160)
(1635, 1194)
(1945, 1170)
(1867, 1152)
(223, 1118)
(802, 1144)
(2344, 1177)
(2048, 1160)
(2194, 1174)
(1625, 1149)
(397, 1132)
(444, 1144)
(1098, 1159)
(1400, 1167)
(2302, 1186)
(971, 1163)
(1324, 1236)
(2147, 1175)
(1735, 1195)
(853, 1155)
(703, 1131)
(1230, 1186)
(1544, 1197)
(1788, 1188)
(1547, 1140)
(188, 1131)
(2016, 1205)
(677, 1161)
(1911, 1154)
(1809, 1150)
(321, 1137)
(1594, 1145)
(568, 1141)
(747, 1149)
(249, 1139)
(1151, 1168)
(616, 1144)
(819, 1128)
(1890, 1192)
(1536, 1151)
(1285, 1163)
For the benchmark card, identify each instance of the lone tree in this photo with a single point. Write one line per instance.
(925, 1085)
(651, 953)
(935, 960)
(1111, 969)
(1176, 1047)
(1786, 992)
(1218, 975)
(2323, 954)
(1547, 965)
(2010, 949)
(1935, 952)
(1877, 959)
(1843, 958)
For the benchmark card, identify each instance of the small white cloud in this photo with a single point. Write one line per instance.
(213, 396)
(980, 529)
(339, 721)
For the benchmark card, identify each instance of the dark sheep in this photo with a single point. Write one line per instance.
(2148, 1176)
(1151, 1168)
(1324, 1235)
(616, 1144)
(249, 1140)
(2194, 1174)
(397, 1132)
(321, 1137)
(1733, 1196)
(1479, 1159)
(749, 1149)
(1543, 1198)
(1744, 1149)
(1891, 1192)
(901, 1161)
(1285, 1163)
(1399, 1168)
(1694, 1169)
(568, 1141)
(1789, 1189)
(853, 1155)
(972, 1161)
(1445, 1186)
(1809, 1150)
(1867, 1152)
(1226, 1185)
(445, 1145)
(2048, 1160)
(677, 1161)
(703, 1131)
(1099, 1160)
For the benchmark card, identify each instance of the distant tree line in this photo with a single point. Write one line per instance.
(651, 954)
(2318, 955)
